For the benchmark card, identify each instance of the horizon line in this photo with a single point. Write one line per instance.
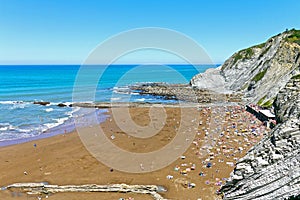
(57, 64)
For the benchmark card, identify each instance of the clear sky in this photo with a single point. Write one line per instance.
(65, 31)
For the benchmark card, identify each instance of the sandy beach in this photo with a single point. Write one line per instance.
(63, 159)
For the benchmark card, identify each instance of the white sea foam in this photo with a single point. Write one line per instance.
(6, 126)
(8, 102)
(22, 130)
(142, 99)
(115, 98)
(57, 123)
(61, 120)
(18, 105)
(13, 102)
(49, 109)
(68, 103)
(50, 125)
(122, 90)
(4, 136)
(73, 111)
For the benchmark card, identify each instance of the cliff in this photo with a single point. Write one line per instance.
(271, 169)
(267, 74)
(258, 72)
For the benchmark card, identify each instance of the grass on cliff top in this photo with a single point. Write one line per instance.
(249, 53)
(237, 57)
(294, 37)
(259, 76)
(243, 54)
(296, 76)
(262, 45)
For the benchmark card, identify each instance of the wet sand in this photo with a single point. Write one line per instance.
(63, 159)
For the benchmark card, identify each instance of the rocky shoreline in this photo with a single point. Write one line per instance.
(185, 92)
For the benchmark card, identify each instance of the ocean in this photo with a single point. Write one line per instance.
(21, 85)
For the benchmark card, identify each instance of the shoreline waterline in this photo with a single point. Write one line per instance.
(64, 128)
(102, 108)
(21, 86)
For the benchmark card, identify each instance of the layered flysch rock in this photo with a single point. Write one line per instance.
(264, 74)
(258, 72)
(44, 188)
(271, 169)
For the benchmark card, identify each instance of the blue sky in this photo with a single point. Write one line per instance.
(66, 31)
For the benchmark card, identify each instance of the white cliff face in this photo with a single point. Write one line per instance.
(271, 169)
(210, 80)
(258, 72)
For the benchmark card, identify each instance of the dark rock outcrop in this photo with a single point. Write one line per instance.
(61, 105)
(43, 103)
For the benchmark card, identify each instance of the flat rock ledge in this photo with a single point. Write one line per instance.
(44, 188)
(187, 93)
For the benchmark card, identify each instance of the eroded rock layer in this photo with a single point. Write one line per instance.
(271, 169)
(43, 188)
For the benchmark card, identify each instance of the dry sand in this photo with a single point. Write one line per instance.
(64, 160)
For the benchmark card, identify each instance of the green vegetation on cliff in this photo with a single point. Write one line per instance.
(237, 57)
(261, 100)
(262, 45)
(259, 76)
(296, 76)
(268, 104)
(294, 37)
(264, 51)
(243, 54)
(249, 53)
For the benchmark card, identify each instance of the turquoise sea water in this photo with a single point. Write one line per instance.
(20, 86)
